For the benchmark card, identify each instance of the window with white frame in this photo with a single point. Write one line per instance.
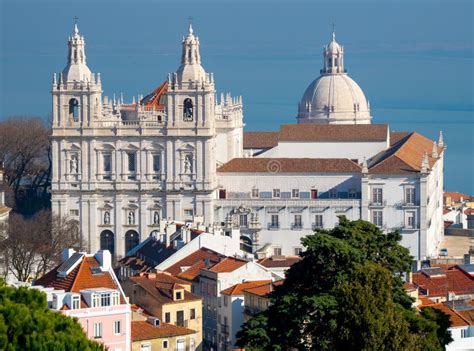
(333, 193)
(298, 223)
(318, 221)
(117, 327)
(352, 193)
(95, 300)
(165, 344)
(410, 219)
(275, 221)
(276, 193)
(145, 347)
(410, 195)
(97, 330)
(75, 302)
(74, 213)
(105, 299)
(115, 299)
(188, 212)
(298, 251)
(192, 313)
(377, 195)
(377, 218)
(255, 192)
(243, 220)
(277, 251)
(107, 163)
(295, 193)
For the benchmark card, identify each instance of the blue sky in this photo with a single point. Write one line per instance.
(413, 59)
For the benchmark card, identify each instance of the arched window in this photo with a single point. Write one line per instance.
(188, 110)
(107, 241)
(131, 240)
(74, 109)
(246, 244)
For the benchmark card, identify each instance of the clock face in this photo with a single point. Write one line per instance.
(188, 110)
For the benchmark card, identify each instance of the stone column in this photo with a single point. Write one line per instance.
(118, 225)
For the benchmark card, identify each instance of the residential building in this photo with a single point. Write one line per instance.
(4, 216)
(455, 198)
(216, 278)
(85, 287)
(154, 335)
(180, 152)
(279, 264)
(257, 298)
(167, 298)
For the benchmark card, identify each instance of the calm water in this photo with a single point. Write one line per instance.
(413, 59)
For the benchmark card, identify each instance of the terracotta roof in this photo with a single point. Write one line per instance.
(457, 318)
(260, 140)
(328, 132)
(264, 289)
(283, 261)
(153, 100)
(290, 165)
(161, 287)
(238, 289)
(446, 210)
(454, 280)
(189, 267)
(228, 264)
(447, 224)
(395, 137)
(405, 156)
(469, 211)
(455, 196)
(142, 330)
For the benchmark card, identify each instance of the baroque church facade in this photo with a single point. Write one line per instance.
(180, 153)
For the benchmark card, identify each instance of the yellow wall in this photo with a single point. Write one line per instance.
(157, 344)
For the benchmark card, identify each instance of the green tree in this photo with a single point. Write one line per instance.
(26, 323)
(346, 294)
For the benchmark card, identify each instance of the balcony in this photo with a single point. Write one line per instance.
(406, 204)
(382, 203)
(225, 329)
(273, 226)
(315, 226)
(296, 226)
(251, 311)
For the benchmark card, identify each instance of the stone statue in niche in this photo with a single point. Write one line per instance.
(188, 164)
(156, 218)
(131, 217)
(73, 164)
(106, 217)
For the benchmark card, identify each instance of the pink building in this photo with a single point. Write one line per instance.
(85, 286)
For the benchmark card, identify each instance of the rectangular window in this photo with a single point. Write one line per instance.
(377, 218)
(314, 194)
(254, 192)
(298, 223)
(97, 330)
(333, 193)
(145, 347)
(225, 301)
(167, 317)
(179, 295)
(192, 313)
(74, 213)
(298, 251)
(352, 194)
(95, 300)
(410, 196)
(117, 329)
(277, 251)
(222, 194)
(157, 163)
(377, 196)
(105, 299)
(276, 193)
(295, 193)
(243, 220)
(188, 212)
(165, 344)
(115, 299)
(318, 221)
(132, 166)
(410, 219)
(180, 318)
(274, 221)
(107, 162)
(76, 302)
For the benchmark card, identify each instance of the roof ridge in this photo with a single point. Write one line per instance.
(77, 274)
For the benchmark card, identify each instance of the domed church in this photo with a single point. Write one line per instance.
(181, 153)
(333, 97)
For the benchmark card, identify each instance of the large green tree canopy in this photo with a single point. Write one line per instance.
(346, 294)
(26, 323)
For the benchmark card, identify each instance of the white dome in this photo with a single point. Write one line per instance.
(334, 99)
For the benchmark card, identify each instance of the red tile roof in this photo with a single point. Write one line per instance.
(395, 137)
(189, 267)
(290, 165)
(455, 196)
(405, 156)
(454, 280)
(142, 330)
(228, 264)
(264, 289)
(238, 289)
(469, 211)
(260, 140)
(328, 132)
(457, 318)
(447, 224)
(154, 99)
(274, 262)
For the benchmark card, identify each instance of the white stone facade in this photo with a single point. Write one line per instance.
(118, 169)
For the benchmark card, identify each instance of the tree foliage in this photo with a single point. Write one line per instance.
(26, 323)
(346, 294)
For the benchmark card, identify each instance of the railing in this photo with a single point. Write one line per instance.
(224, 329)
(315, 226)
(250, 311)
(273, 226)
(296, 226)
(378, 203)
(288, 202)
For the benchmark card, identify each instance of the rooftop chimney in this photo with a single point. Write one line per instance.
(105, 259)
(67, 253)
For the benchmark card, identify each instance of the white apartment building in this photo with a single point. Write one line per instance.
(181, 153)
